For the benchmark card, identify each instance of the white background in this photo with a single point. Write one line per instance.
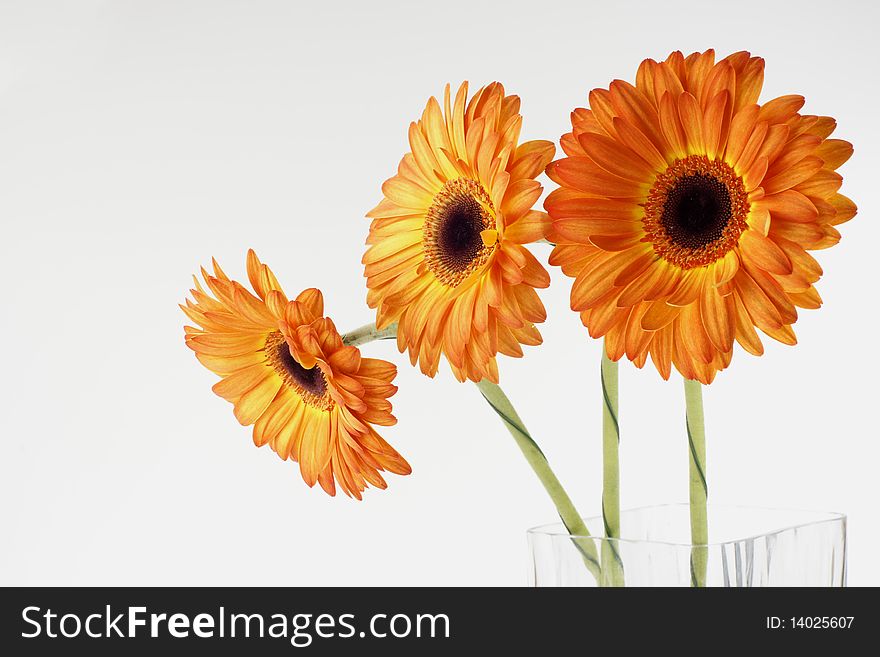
(138, 139)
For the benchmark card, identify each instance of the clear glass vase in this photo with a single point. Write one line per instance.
(748, 547)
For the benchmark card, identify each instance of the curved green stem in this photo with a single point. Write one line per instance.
(612, 565)
(538, 462)
(368, 333)
(534, 456)
(699, 490)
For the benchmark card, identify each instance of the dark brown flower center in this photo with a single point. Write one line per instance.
(696, 211)
(454, 248)
(312, 381)
(310, 384)
(458, 237)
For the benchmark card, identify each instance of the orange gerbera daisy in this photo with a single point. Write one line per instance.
(285, 368)
(446, 259)
(686, 211)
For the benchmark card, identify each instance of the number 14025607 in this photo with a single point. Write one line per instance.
(810, 622)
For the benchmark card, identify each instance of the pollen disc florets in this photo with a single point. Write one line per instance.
(696, 211)
(453, 244)
(310, 384)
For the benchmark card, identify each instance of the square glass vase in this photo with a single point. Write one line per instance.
(748, 546)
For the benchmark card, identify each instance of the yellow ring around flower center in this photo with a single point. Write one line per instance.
(696, 211)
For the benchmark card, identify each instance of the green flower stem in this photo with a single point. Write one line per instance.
(368, 333)
(538, 462)
(699, 491)
(612, 565)
(535, 457)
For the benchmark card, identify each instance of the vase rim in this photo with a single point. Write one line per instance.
(819, 517)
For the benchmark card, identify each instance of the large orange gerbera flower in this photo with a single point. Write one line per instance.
(446, 259)
(686, 211)
(288, 373)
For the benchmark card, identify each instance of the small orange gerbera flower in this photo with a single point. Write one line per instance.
(286, 370)
(686, 210)
(446, 259)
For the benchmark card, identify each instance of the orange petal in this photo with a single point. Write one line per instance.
(780, 110)
(746, 335)
(725, 269)
(637, 339)
(406, 193)
(640, 144)
(670, 126)
(315, 448)
(615, 158)
(834, 152)
(714, 128)
(583, 174)
(784, 334)
(692, 122)
(754, 176)
(789, 205)
(774, 142)
(692, 334)
(719, 322)
(688, 288)
(844, 208)
(822, 184)
(764, 253)
(595, 282)
(741, 127)
(636, 110)
(660, 314)
(761, 310)
(531, 158)
(661, 351)
(531, 227)
(645, 286)
(749, 81)
(578, 206)
(751, 148)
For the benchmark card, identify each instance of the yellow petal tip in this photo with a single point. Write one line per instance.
(489, 236)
